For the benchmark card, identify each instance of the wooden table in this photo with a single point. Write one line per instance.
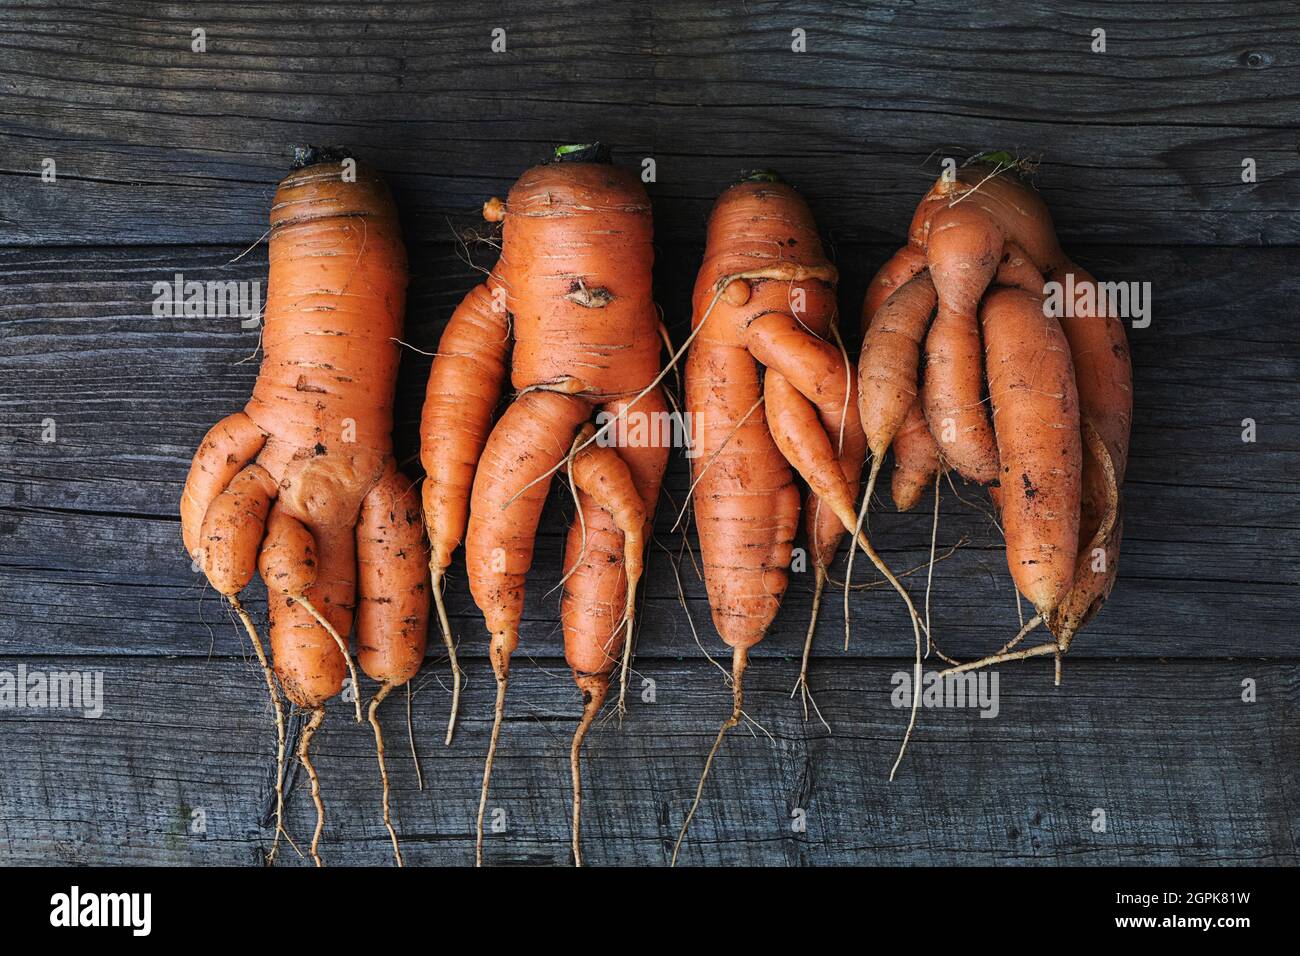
(165, 161)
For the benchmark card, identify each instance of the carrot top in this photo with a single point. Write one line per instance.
(311, 155)
(583, 153)
(759, 176)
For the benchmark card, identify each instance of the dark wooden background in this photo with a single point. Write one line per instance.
(166, 161)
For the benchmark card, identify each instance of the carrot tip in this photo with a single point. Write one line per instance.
(594, 688)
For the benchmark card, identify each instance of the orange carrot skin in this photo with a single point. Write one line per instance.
(1103, 370)
(465, 386)
(1017, 271)
(804, 440)
(603, 476)
(322, 403)
(963, 225)
(392, 581)
(1036, 416)
(889, 369)
(1104, 376)
(595, 592)
(576, 262)
(637, 432)
(308, 661)
(228, 446)
(823, 531)
(325, 391)
(287, 561)
(596, 571)
(603, 559)
(1101, 529)
(763, 243)
(916, 460)
(746, 503)
(232, 529)
(532, 437)
(890, 359)
(952, 395)
(901, 268)
(998, 201)
(575, 267)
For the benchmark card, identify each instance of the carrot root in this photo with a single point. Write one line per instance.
(501, 667)
(1038, 651)
(410, 735)
(304, 747)
(450, 644)
(801, 684)
(343, 647)
(626, 665)
(372, 714)
(1029, 625)
(870, 551)
(278, 708)
(739, 660)
(594, 688)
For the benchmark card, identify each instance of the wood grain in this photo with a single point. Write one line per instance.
(166, 161)
(1143, 143)
(91, 535)
(183, 736)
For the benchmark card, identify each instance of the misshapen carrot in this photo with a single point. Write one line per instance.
(888, 389)
(603, 565)
(962, 225)
(286, 479)
(988, 243)
(901, 268)
(764, 294)
(572, 294)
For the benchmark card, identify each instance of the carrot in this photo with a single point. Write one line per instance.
(962, 225)
(765, 294)
(987, 195)
(288, 478)
(953, 396)
(916, 459)
(393, 616)
(888, 388)
(1104, 376)
(901, 268)
(574, 278)
(1016, 271)
(1063, 390)
(890, 359)
(465, 386)
(533, 436)
(603, 565)
(638, 433)
(1036, 410)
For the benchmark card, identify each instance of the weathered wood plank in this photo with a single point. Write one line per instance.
(90, 539)
(1183, 769)
(1144, 143)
